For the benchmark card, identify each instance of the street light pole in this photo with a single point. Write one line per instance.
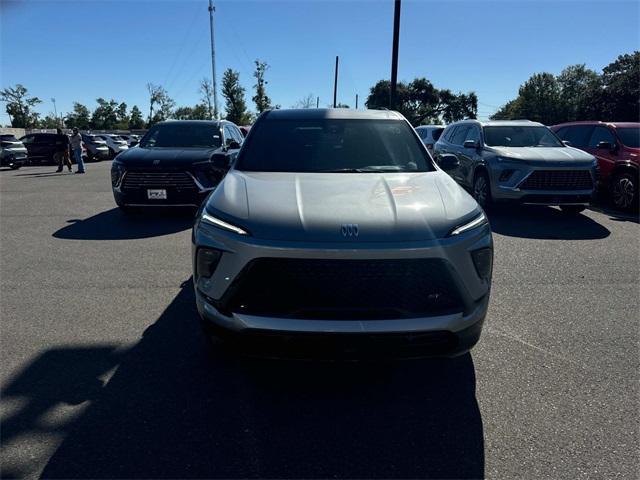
(55, 110)
(213, 61)
(335, 85)
(394, 54)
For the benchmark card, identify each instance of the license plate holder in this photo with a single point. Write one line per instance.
(157, 194)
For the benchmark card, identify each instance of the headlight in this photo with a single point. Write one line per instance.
(216, 222)
(117, 170)
(477, 222)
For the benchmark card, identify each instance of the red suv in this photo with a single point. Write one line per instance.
(616, 145)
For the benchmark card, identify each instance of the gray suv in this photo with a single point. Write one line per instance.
(336, 222)
(518, 160)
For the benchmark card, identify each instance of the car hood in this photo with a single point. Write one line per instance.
(544, 154)
(136, 157)
(313, 207)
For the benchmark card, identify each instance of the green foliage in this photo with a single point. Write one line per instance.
(50, 122)
(160, 100)
(420, 102)
(105, 115)
(198, 112)
(206, 90)
(233, 93)
(579, 93)
(136, 121)
(79, 118)
(20, 106)
(262, 101)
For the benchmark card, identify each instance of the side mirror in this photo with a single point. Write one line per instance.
(471, 144)
(605, 146)
(220, 161)
(133, 143)
(448, 162)
(567, 143)
(233, 145)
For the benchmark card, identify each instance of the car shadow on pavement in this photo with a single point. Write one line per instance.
(116, 225)
(544, 223)
(179, 407)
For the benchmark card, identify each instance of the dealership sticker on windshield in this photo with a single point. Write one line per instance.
(159, 194)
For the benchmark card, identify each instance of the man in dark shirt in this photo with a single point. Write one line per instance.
(62, 150)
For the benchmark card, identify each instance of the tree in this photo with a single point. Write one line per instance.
(79, 118)
(233, 93)
(105, 115)
(136, 121)
(159, 97)
(621, 88)
(420, 102)
(306, 102)
(579, 93)
(262, 101)
(183, 113)
(122, 116)
(197, 112)
(206, 90)
(20, 106)
(49, 122)
(540, 99)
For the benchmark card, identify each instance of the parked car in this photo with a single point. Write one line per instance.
(616, 145)
(430, 134)
(130, 138)
(518, 160)
(245, 129)
(177, 163)
(41, 148)
(115, 143)
(13, 153)
(96, 147)
(337, 222)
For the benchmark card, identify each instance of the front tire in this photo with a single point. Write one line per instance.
(572, 209)
(624, 191)
(482, 190)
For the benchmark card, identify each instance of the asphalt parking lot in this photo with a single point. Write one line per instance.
(105, 373)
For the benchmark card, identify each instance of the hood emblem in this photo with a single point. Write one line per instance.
(349, 229)
(156, 162)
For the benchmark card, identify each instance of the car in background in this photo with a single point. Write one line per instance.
(96, 147)
(41, 148)
(130, 138)
(245, 129)
(336, 224)
(177, 163)
(115, 143)
(429, 134)
(616, 145)
(13, 153)
(518, 160)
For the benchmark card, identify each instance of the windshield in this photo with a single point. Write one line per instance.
(8, 138)
(629, 136)
(520, 136)
(176, 135)
(325, 145)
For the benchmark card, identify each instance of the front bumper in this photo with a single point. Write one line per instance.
(13, 159)
(239, 252)
(513, 187)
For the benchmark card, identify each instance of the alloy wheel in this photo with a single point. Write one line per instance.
(623, 192)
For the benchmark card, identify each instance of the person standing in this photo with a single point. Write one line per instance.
(61, 154)
(76, 147)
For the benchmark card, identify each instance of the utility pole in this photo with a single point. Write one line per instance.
(317, 102)
(213, 60)
(394, 54)
(356, 101)
(335, 85)
(55, 110)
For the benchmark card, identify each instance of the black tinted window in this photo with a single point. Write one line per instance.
(630, 136)
(459, 136)
(449, 133)
(177, 135)
(601, 134)
(436, 134)
(332, 146)
(578, 136)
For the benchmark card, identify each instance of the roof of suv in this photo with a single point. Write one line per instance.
(333, 114)
(597, 122)
(501, 123)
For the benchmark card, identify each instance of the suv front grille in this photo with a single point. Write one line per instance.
(344, 289)
(558, 180)
(178, 180)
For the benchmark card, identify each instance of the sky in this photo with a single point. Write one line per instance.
(79, 51)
